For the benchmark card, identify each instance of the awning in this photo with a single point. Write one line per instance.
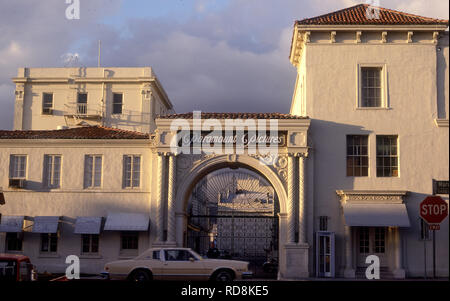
(127, 222)
(88, 225)
(376, 215)
(11, 223)
(45, 224)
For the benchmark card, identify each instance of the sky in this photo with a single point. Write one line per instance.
(209, 55)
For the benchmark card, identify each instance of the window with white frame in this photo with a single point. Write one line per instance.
(357, 156)
(52, 171)
(117, 103)
(93, 171)
(131, 171)
(387, 156)
(18, 166)
(49, 242)
(371, 90)
(47, 103)
(89, 243)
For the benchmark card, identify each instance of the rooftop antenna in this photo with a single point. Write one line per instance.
(99, 47)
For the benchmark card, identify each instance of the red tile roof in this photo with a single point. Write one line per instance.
(87, 132)
(356, 15)
(206, 115)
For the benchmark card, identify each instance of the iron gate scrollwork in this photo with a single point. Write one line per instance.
(233, 214)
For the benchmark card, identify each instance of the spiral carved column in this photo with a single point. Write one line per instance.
(160, 194)
(291, 200)
(301, 199)
(171, 198)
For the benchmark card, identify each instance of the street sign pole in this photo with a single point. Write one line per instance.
(434, 253)
(425, 257)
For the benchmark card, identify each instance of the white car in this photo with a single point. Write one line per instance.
(176, 264)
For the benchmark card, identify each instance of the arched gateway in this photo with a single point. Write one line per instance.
(178, 173)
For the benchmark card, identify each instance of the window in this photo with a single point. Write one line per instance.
(364, 240)
(131, 171)
(380, 239)
(117, 103)
(371, 87)
(424, 230)
(82, 103)
(49, 242)
(47, 103)
(387, 156)
(157, 255)
(52, 171)
(323, 223)
(177, 255)
(18, 166)
(13, 241)
(357, 156)
(93, 171)
(89, 243)
(129, 240)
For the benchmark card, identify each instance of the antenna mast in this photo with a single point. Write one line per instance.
(99, 47)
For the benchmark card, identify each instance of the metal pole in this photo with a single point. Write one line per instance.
(434, 253)
(425, 257)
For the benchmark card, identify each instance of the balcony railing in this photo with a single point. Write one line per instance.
(83, 110)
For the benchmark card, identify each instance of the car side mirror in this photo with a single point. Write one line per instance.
(191, 259)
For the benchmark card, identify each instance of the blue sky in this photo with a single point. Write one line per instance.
(210, 55)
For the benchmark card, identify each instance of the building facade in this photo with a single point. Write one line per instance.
(91, 170)
(376, 91)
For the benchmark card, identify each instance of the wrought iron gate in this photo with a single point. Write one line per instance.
(233, 214)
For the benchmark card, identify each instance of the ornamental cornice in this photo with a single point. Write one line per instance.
(372, 196)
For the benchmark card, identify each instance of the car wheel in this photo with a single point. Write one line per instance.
(140, 276)
(223, 275)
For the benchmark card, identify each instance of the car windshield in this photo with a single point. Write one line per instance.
(7, 270)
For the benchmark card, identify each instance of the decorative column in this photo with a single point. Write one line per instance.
(349, 271)
(171, 194)
(160, 195)
(301, 199)
(291, 200)
(399, 272)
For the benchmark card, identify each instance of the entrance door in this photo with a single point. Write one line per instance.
(371, 241)
(325, 254)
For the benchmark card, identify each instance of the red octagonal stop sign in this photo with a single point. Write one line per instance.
(433, 209)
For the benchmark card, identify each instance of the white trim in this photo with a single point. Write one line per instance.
(383, 81)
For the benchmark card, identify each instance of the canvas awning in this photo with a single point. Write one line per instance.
(376, 215)
(127, 222)
(88, 225)
(46, 224)
(11, 223)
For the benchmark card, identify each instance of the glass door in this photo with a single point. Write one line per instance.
(325, 254)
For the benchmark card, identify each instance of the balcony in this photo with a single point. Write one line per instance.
(83, 111)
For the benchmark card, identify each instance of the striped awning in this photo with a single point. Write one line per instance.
(88, 225)
(127, 222)
(11, 223)
(46, 224)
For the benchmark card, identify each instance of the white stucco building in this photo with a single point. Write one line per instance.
(90, 171)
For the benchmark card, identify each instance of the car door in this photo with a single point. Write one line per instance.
(180, 264)
(154, 262)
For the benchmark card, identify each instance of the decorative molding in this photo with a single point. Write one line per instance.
(307, 38)
(384, 37)
(435, 37)
(333, 37)
(441, 122)
(410, 35)
(372, 196)
(358, 37)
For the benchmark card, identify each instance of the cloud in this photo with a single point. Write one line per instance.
(232, 57)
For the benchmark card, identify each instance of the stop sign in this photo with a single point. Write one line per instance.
(433, 209)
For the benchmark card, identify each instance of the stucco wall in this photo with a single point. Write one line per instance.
(71, 200)
(413, 87)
